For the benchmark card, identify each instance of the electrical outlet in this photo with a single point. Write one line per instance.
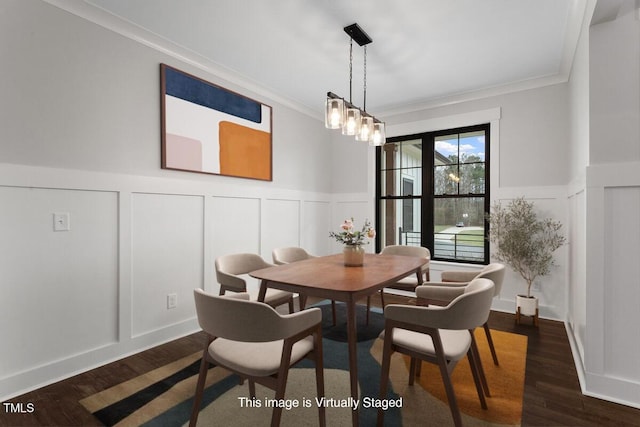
(172, 301)
(61, 221)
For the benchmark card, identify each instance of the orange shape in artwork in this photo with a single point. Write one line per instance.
(244, 152)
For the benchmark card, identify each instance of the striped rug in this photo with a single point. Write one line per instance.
(163, 397)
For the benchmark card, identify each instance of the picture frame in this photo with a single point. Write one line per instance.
(208, 129)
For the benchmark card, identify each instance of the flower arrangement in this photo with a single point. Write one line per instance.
(353, 238)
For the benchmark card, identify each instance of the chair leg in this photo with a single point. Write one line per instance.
(412, 370)
(473, 363)
(281, 382)
(276, 415)
(415, 369)
(291, 308)
(319, 376)
(476, 353)
(202, 376)
(487, 332)
(252, 389)
(446, 379)
(451, 396)
(384, 376)
(333, 312)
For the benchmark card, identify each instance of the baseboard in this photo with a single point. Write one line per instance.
(50, 373)
(575, 352)
(594, 385)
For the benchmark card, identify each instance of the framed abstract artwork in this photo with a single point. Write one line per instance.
(209, 129)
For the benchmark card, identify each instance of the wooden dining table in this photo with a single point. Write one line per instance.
(328, 277)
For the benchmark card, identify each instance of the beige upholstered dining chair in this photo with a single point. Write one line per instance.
(289, 255)
(455, 278)
(257, 343)
(439, 335)
(408, 283)
(229, 268)
(293, 254)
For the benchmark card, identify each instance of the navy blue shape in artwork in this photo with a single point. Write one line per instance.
(190, 89)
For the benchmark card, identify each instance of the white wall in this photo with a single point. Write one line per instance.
(349, 164)
(533, 133)
(80, 133)
(79, 96)
(98, 291)
(610, 367)
(615, 105)
(578, 162)
(529, 150)
(52, 280)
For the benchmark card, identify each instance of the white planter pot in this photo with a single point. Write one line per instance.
(528, 306)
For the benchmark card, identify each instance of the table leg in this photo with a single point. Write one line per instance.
(263, 290)
(352, 340)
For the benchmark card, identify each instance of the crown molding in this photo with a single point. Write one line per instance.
(475, 95)
(577, 21)
(140, 35)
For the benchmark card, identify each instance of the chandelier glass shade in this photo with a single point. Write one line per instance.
(351, 121)
(342, 114)
(365, 132)
(379, 136)
(334, 114)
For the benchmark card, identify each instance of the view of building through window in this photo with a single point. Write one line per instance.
(433, 192)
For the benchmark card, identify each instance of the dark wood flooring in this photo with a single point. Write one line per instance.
(552, 394)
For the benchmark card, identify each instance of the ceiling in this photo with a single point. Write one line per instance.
(424, 52)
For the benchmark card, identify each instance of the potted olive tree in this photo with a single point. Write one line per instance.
(526, 243)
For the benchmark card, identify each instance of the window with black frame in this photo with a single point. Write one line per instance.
(433, 191)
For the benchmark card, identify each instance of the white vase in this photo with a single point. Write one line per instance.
(528, 305)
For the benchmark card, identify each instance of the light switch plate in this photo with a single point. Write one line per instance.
(172, 301)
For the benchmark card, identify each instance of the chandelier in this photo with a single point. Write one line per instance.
(343, 114)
